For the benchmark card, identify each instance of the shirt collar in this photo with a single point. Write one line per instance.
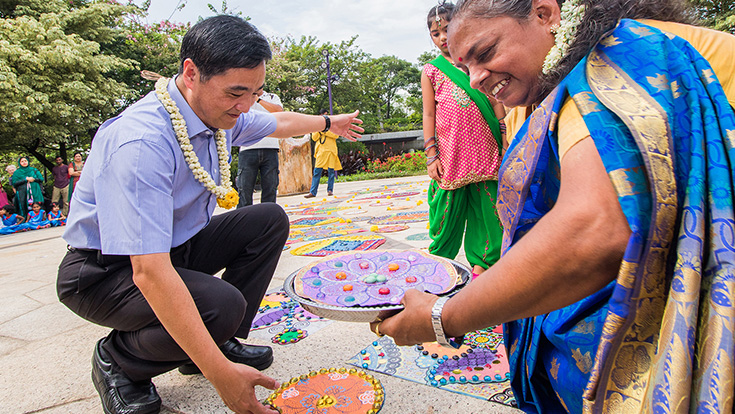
(194, 125)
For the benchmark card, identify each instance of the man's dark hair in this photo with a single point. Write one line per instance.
(223, 42)
(323, 111)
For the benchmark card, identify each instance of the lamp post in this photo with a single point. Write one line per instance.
(330, 78)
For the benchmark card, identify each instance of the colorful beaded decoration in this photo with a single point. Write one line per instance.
(329, 391)
(374, 278)
(290, 336)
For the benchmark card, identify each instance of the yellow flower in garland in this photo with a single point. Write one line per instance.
(230, 200)
(227, 197)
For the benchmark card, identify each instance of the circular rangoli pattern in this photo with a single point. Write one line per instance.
(329, 391)
(374, 278)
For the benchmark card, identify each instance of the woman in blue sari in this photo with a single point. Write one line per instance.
(616, 285)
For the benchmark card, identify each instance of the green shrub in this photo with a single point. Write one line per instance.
(409, 162)
(344, 146)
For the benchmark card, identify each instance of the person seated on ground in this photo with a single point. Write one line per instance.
(37, 218)
(616, 197)
(11, 222)
(143, 240)
(55, 216)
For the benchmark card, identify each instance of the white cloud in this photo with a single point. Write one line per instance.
(385, 27)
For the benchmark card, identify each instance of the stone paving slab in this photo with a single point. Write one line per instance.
(45, 350)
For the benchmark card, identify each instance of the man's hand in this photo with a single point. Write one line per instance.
(172, 303)
(412, 325)
(236, 386)
(346, 125)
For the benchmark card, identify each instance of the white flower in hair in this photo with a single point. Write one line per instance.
(571, 16)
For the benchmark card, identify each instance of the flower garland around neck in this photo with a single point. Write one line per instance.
(571, 16)
(227, 197)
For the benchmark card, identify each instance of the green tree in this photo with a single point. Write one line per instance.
(718, 14)
(374, 86)
(285, 78)
(394, 76)
(149, 47)
(427, 57)
(346, 62)
(54, 81)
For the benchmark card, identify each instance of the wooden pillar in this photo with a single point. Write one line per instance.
(294, 164)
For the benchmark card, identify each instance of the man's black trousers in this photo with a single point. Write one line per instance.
(246, 242)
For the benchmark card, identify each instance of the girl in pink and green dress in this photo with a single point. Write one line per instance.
(463, 145)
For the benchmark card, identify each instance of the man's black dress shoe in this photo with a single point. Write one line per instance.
(120, 394)
(256, 356)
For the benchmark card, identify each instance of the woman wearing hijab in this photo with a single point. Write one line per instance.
(27, 183)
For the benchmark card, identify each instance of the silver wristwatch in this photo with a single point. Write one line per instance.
(436, 323)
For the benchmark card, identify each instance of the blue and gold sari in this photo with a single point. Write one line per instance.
(660, 337)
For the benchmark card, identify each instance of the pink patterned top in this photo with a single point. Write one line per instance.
(468, 152)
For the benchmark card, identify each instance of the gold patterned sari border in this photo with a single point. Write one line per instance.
(648, 123)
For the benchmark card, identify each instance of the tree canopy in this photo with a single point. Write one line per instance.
(67, 65)
(53, 74)
(718, 14)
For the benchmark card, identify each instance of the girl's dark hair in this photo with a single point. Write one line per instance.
(444, 10)
(9, 208)
(223, 42)
(601, 16)
(36, 202)
(54, 204)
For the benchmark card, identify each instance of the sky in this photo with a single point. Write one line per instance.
(384, 27)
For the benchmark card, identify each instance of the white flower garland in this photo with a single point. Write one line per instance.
(571, 16)
(226, 196)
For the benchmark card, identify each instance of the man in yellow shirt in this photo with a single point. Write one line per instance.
(325, 153)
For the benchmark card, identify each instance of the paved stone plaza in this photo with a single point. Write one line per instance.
(45, 349)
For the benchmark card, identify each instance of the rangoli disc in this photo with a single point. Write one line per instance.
(403, 207)
(334, 245)
(374, 278)
(354, 212)
(329, 391)
(314, 221)
(401, 218)
(391, 229)
(419, 237)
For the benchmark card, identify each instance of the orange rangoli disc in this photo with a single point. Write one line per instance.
(329, 391)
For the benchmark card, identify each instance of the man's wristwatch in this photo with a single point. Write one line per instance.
(436, 323)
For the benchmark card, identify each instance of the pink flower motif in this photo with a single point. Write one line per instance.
(336, 376)
(290, 393)
(368, 397)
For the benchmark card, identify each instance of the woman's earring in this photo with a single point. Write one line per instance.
(554, 28)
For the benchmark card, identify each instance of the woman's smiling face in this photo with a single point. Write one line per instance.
(503, 55)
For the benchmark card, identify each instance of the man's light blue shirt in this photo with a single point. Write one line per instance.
(137, 194)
